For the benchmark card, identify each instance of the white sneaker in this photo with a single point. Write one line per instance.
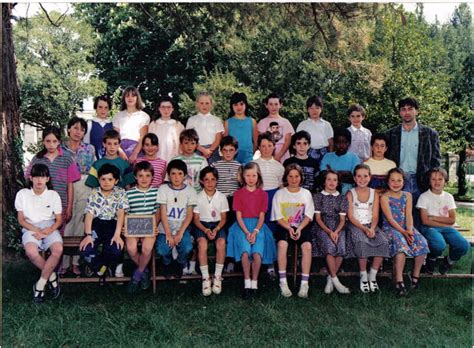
(303, 293)
(119, 271)
(186, 271)
(329, 288)
(339, 287)
(285, 290)
(206, 287)
(217, 285)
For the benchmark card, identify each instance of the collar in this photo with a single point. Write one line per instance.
(356, 129)
(100, 121)
(40, 195)
(315, 121)
(170, 121)
(413, 129)
(204, 115)
(335, 194)
(148, 189)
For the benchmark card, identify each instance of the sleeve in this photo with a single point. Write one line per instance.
(56, 203)
(261, 127)
(422, 201)
(436, 156)
(203, 164)
(289, 128)
(264, 202)
(299, 128)
(190, 123)
(344, 205)
(89, 205)
(192, 198)
(73, 173)
(325, 161)
(309, 205)
(116, 120)
(161, 197)
(123, 202)
(276, 208)
(92, 178)
(19, 201)
(318, 203)
(224, 204)
(219, 125)
(330, 131)
(450, 201)
(237, 203)
(145, 121)
(281, 171)
(196, 207)
(355, 162)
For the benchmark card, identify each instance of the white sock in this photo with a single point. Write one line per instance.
(192, 266)
(372, 274)
(219, 268)
(40, 284)
(363, 276)
(254, 284)
(204, 271)
(247, 283)
(53, 277)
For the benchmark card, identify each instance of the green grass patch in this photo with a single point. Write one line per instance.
(465, 219)
(439, 314)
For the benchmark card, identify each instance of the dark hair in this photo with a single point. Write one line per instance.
(47, 131)
(290, 167)
(167, 98)
(111, 134)
(238, 97)
(396, 170)
(357, 108)
(102, 97)
(133, 91)
(248, 166)
(143, 165)
(272, 96)
(324, 175)
(153, 139)
(361, 166)
(343, 132)
(314, 100)
(265, 136)
(108, 168)
(75, 120)
(206, 170)
(297, 136)
(379, 136)
(408, 101)
(40, 169)
(274, 123)
(177, 164)
(189, 134)
(229, 140)
(439, 170)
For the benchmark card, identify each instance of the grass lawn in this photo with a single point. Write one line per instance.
(465, 218)
(89, 315)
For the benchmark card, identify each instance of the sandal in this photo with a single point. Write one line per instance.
(414, 281)
(54, 287)
(401, 290)
(38, 295)
(364, 286)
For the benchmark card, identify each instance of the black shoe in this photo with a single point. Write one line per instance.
(401, 290)
(247, 294)
(178, 272)
(444, 266)
(54, 288)
(429, 266)
(167, 271)
(38, 295)
(415, 281)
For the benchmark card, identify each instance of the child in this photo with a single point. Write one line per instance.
(273, 104)
(360, 144)
(329, 235)
(378, 164)
(142, 201)
(299, 147)
(210, 220)
(150, 148)
(99, 125)
(365, 239)
(249, 237)
(84, 156)
(242, 127)
(105, 212)
(39, 213)
(62, 167)
(320, 130)
(404, 239)
(131, 123)
(167, 128)
(189, 141)
(438, 214)
(341, 160)
(208, 127)
(293, 209)
(176, 201)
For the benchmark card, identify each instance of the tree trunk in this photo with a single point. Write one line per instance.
(12, 175)
(461, 173)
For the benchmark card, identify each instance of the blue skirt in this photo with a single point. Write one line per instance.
(237, 243)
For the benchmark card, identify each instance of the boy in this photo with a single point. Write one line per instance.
(360, 144)
(189, 141)
(142, 201)
(104, 217)
(300, 142)
(176, 201)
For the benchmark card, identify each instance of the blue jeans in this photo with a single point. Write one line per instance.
(184, 248)
(438, 237)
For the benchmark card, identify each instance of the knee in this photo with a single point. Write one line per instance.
(56, 250)
(462, 246)
(132, 249)
(31, 252)
(147, 248)
(306, 247)
(437, 244)
(202, 244)
(220, 244)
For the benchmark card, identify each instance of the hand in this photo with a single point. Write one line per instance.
(39, 235)
(213, 234)
(156, 232)
(253, 237)
(170, 241)
(132, 158)
(125, 234)
(85, 242)
(117, 240)
(410, 231)
(177, 239)
(68, 214)
(369, 232)
(296, 234)
(334, 237)
(206, 153)
(409, 238)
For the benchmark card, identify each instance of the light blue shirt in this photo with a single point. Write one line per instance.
(346, 162)
(409, 150)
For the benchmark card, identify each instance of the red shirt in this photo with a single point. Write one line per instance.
(250, 204)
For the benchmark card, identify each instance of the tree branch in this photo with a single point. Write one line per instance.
(58, 22)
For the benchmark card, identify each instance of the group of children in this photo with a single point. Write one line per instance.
(204, 184)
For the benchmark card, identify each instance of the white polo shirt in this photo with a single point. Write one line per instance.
(321, 131)
(206, 126)
(210, 208)
(272, 173)
(38, 208)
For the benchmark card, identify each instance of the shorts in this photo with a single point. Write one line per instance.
(42, 244)
(282, 234)
(198, 233)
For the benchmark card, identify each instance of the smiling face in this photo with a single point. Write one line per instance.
(395, 182)
(314, 112)
(294, 179)
(149, 149)
(273, 106)
(166, 110)
(362, 178)
(144, 179)
(51, 143)
(239, 108)
(331, 182)
(204, 104)
(76, 132)
(356, 118)
(209, 182)
(176, 178)
(437, 182)
(266, 149)
(107, 182)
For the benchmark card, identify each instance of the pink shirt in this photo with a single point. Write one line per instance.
(159, 167)
(250, 204)
(284, 128)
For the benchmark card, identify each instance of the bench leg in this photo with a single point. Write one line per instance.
(153, 270)
(295, 263)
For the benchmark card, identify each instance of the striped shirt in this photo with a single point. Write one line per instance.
(195, 164)
(142, 202)
(228, 181)
(159, 167)
(272, 173)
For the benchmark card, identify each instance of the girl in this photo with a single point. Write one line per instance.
(242, 127)
(99, 125)
(39, 213)
(210, 217)
(378, 164)
(84, 155)
(365, 237)
(62, 167)
(404, 239)
(131, 123)
(208, 127)
(150, 147)
(280, 128)
(249, 237)
(329, 236)
(438, 214)
(167, 128)
(293, 209)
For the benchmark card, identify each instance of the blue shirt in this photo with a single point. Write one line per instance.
(346, 162)
(409, 150)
